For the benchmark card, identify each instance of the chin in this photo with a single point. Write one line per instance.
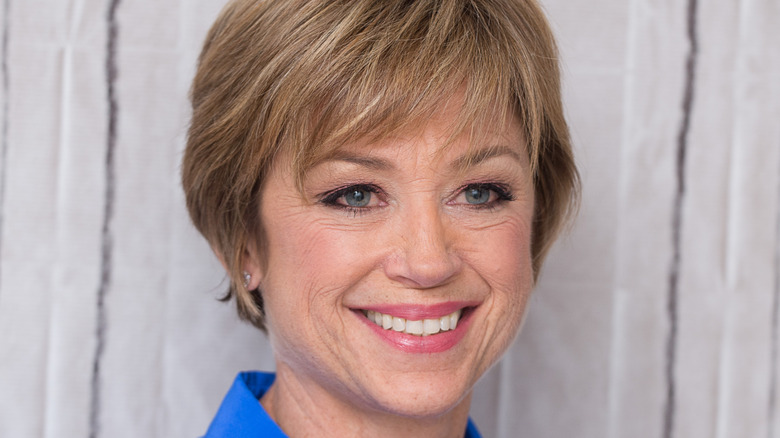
(422, 395)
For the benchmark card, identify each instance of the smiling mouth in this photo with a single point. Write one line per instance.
(424, 327)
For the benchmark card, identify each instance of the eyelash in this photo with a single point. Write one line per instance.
(331, 198)
(503, 194)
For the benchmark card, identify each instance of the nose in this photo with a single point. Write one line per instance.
(423, 256)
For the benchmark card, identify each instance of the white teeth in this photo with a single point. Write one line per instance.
(414, 327)
(454, 320)
(423, 327)
(444, 323)
(399, 324)
(432, 326)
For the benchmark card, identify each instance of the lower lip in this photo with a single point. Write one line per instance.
(437, 343)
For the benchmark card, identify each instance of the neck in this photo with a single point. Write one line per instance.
(303, 408)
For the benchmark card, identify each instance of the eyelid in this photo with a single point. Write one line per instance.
(331, 196)
(503, 194)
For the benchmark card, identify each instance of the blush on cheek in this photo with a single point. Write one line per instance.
(326, 252)
(317, 263)
(507, 250)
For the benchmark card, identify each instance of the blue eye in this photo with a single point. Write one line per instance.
(357, 197)
(484, 195)
(476, 195)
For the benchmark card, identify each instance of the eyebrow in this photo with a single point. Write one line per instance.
(469, 159)
(369, 162)
(475, 157)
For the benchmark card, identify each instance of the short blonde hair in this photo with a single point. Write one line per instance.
(302, 77)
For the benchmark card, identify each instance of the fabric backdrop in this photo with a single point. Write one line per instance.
(656, 316)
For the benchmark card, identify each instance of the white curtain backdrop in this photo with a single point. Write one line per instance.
(656, 317)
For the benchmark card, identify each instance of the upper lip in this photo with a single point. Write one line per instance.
(417, 312)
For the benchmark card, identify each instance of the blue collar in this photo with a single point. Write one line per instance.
(242, 416)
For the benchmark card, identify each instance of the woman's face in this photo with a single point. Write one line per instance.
(398, 229)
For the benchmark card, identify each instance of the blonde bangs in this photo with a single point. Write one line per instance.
(378, 70)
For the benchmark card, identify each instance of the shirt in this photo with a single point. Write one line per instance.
(242, 416)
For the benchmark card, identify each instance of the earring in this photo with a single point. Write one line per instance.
(247, 278)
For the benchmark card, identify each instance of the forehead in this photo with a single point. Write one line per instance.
(439, 136)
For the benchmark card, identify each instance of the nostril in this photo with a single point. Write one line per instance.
(422, 249)
(423, 269)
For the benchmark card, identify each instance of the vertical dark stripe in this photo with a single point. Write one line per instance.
(775, 337)
(4, 123)
(108, 214)
(677, 221)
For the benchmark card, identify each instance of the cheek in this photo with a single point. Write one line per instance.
(298, 285)
(502, 259)
(310, 263)
(505, 264)
(502, 256)
(309, 272)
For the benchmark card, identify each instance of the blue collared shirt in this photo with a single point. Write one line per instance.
(242, 416)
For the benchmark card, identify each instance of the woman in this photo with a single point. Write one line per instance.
(381, 181)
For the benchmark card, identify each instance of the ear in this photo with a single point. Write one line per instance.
(252, 265)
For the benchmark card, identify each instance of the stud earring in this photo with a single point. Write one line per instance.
(247, 278)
